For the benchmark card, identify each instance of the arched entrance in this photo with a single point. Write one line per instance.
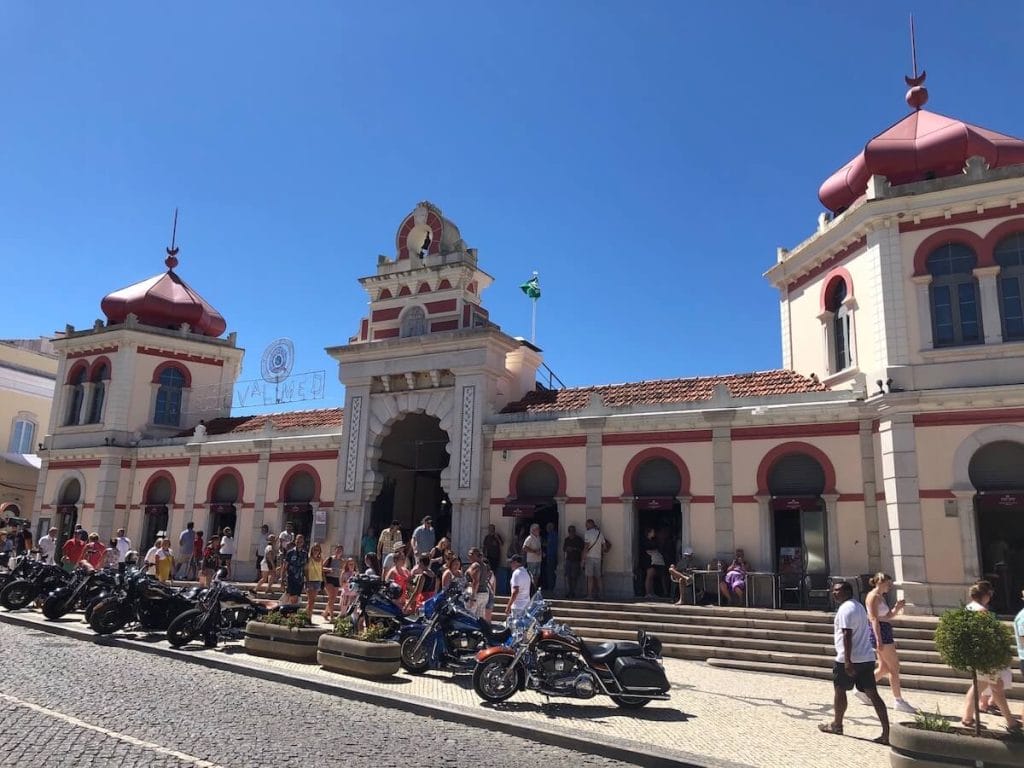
(67, 509)
(656, 484)
(159, 497)
(300, 491)
(796, 482)
(224, 499)
(412, 457)
(996, 471)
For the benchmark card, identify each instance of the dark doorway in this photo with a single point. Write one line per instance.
(298, 509)
(412, 457)
(223, 504)
(67, 510)
(796, 482)
(656, 484)
(156, 510)
(997, 473)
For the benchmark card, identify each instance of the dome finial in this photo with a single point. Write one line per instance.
(172, 252)
(917, 96)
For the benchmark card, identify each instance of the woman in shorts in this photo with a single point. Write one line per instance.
(882, 639)
(314, 576)
(332, 579)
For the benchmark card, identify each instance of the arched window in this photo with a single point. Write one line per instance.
(23, 434)
(75, 397)
(414, 322)
(1009, 255)
(168, 398)
(956, 318)
(99, 379)
(841, 355)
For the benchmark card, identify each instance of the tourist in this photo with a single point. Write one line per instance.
(397, 554)
(268, 565)
(882, 639)
(293, 563)
(314, 576)
(519, 583)
(387, 540)
(492, 546)
(210, 561)
(48, 546)
(533, 549)
(198, 549)
(368, 543)
(227, 550)
(655, 571)
(6, 548)
(479, 575)
(1018, 633)
(452, 571)
(550, 563)
(333, 566)
(186, 549)
(572, 551)
(287, 537)
(423, 538)
(261, 546)
(124, 545)
(855, 661)
(72, 550)
(439, 556)
(399, 572)
(93, 551)
(150, 559)
(23, 539)
(164, 561)
(682, 574)
(734, 583)
(595, 545)
(422, 586)
(348, 590)
(372, 565)
(111, 557)
(981, 595)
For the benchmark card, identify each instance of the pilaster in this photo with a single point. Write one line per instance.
(869, 488)
(902, 503)
(594, 468)
(721, 448)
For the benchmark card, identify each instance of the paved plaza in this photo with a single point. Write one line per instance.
(716, 717)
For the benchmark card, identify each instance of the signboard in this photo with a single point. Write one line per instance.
(657, 503)
(518, 509)
(991, 502)
(782, 503)
(790, 560)
(320, 525)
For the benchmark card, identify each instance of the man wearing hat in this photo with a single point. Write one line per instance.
(397, 556)
(520, 584)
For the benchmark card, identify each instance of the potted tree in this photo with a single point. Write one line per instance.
(364, 654)
(975, 642)
(287, 636)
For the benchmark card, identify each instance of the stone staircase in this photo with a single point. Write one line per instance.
(759, 639)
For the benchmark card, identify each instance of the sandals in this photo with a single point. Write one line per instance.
(967, 723)
(832, 728)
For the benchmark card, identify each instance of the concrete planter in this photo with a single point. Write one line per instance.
(914, 748)
(357, 657)
(283, 643)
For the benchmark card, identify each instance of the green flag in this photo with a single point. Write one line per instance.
(531, 287)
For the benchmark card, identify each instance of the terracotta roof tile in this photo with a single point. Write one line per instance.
(321, 417)
(756, 384)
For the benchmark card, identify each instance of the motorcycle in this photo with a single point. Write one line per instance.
(553, 661)
(375, 604)
(142, 600)
(31, 580)
(448, 634)
(86, 585)
(222, 613)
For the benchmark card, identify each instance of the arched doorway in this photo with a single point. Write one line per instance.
(536, 484)
(996, 471)
(224, 499)
(656, 484)
(67, 509)
(412, 457)
(300, 491)
(159, 497)
(796, 482)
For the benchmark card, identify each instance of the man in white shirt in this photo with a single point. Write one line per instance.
(47, 546)
(286, 537)
(227, 550)
(855, 661)
(520, 583)
(594, 545)
(533, 549)
(124, 545)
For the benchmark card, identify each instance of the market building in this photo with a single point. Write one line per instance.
(892, 437)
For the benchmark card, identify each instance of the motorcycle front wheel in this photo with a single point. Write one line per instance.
(17, 594)
(107, 617)
(491, 681)
(184, 627)
(631, 702)
(56, 606)
(415, 660)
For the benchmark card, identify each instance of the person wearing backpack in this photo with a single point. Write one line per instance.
(595, 547)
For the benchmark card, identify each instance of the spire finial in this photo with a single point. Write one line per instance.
(172, 252)
(917, 96)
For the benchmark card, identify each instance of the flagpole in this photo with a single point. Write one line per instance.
(533, 323)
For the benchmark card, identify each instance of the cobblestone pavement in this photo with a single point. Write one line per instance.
(728, 717)
(64, 702)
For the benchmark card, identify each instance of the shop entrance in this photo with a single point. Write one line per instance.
(412, 457)
(158, 501)
(298, 508)
(223, 504)
(997, 474)
(800, 551)
(534, 504)
(67, 510)
(658, 516)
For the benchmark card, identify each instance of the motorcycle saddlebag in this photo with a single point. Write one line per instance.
(637, 672)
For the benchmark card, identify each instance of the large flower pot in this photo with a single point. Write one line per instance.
(357, 657)
(283, 643)
(914, 748)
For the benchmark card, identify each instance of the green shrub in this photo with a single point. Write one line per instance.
(374, 633)
(973, 641)
(343, 627)
(927, 721)
(296, 620)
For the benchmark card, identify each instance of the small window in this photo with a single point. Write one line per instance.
(22, 436)
(955, 304)
(840, 326)
(168, 398)
(414, 323)
(75, 397)
(1009, 255)
(99, 392)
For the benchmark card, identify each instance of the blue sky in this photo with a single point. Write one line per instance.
(646, 158)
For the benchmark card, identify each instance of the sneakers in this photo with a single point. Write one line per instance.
(900, 705)
(862, 698)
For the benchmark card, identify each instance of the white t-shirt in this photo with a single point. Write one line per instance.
(268, 556)
(852, 615)
(124, 546)
(521, 579)
(151, 556)
(591, 536)
(533, 541)
(227, 545)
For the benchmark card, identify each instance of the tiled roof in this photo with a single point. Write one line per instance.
(756, 384)
(321, 417)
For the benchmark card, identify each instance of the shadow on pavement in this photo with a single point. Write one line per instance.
(591, 711)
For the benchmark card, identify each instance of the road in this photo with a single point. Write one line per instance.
(65, 702)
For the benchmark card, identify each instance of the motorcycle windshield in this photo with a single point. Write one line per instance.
(431, 605)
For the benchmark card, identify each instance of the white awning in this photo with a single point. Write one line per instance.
(22, 459)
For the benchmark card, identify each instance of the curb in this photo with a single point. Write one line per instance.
(589, 743)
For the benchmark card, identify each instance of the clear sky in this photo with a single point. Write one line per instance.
(646, 158)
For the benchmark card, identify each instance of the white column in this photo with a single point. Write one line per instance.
(968, 534)
(88, 389)
(835, 565)
(827, 341)
(685, 532)
(924, 309)
(764, 524)
(991, 320)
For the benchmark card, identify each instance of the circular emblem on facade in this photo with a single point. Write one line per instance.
(276, 363)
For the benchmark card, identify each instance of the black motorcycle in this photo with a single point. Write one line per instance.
(375, 604)
(553, 661)
(87, 584)
(222, 613)
(31, 580)
(141, 600)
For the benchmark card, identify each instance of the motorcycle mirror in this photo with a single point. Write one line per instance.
(222, 573)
